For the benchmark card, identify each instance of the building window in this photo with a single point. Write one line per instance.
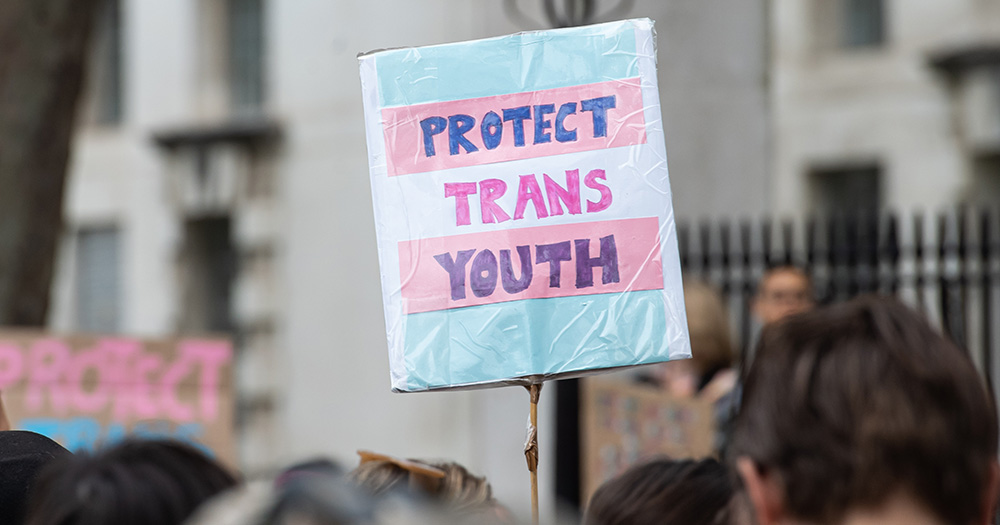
(863, 23)
(209, 269)
(847, 189)
(98, 281)
(246, 55)
(106, 68)
(985, 188)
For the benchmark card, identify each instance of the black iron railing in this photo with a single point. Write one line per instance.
(946, 265)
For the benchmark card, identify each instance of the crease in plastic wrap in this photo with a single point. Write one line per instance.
(523, 207)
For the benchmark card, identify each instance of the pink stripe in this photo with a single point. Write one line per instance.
(404, 138)
(427, 286)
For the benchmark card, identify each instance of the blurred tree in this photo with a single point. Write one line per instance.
(43, 50)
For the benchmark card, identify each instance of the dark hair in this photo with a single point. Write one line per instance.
(22, 456)
(156, 482)
(851, 404)
(664, 492)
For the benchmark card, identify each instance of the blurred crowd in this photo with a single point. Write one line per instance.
(854, 413)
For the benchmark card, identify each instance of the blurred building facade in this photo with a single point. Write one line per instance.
(219, 180)
(884, 104)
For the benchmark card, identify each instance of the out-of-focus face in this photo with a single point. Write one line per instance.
(679, 378)
(782, 292)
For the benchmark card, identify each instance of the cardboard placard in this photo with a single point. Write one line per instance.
(522, 207)
(624, 424)
(84, 390)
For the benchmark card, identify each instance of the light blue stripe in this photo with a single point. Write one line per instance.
(509, 64)
(535, 336)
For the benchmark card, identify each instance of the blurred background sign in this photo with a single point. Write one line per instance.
(84, 391)
(626, 423)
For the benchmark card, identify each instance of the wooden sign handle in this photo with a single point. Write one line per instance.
(531, 448)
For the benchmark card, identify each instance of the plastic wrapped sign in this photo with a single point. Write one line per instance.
(522, 207)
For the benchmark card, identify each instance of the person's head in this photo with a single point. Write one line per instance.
(321, 468)
(708, 326)
(448, 483)
(317, 492)
(782, 291)
(711, 344)
(156, 482)
(664, 492)
(311, 500)
(22, 456)
(862, 408)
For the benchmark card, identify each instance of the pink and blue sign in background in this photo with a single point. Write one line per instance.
(522, 207)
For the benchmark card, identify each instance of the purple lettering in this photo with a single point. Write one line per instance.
(456, 271)
(607, 260)
(510, 284)
(554, 254)
(483, 275)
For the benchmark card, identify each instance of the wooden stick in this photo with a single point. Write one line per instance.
(531, 448)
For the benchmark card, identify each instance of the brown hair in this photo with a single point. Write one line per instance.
(708, 326)
(664, 492)
(458, 490)
(851, 404)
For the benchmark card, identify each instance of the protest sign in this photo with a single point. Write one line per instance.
(625, 424)
(522, 207)
(83, 391)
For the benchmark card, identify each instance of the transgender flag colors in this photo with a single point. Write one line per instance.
(522, 207)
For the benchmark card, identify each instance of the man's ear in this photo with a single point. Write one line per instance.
(992, 491)
(763, 491)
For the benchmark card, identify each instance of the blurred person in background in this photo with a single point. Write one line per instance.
(23, 455)
(307, 497)
(860, 413)
(452, 486)
(708, 374)
(154, 482)
(782, 291)
(318, 493)
(664, 492)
